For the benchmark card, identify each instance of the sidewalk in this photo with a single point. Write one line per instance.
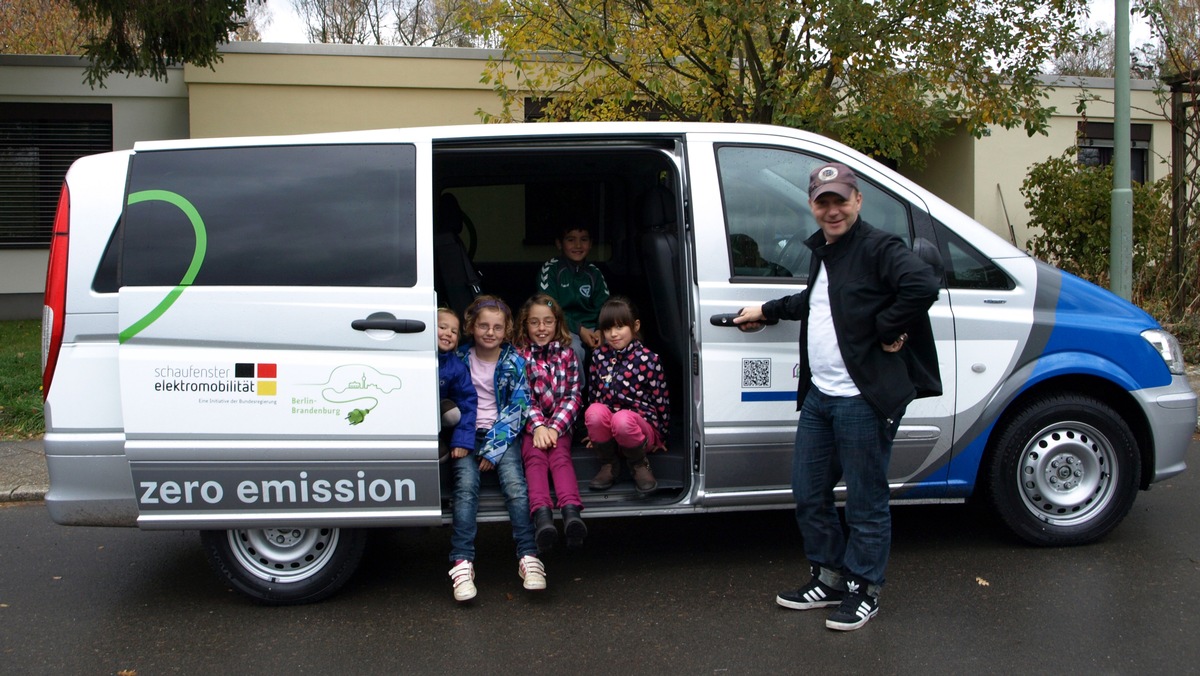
(23, 463)
(22, 470)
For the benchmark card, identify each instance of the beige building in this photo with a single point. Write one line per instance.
(982, 177)
(263, 89)
(48, 116)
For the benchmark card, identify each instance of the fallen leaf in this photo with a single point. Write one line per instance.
(982, 582)
(127, 672)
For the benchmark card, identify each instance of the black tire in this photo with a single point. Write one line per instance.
(285, 566)
(1063, 471)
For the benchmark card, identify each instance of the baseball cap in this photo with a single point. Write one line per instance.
(833, 177)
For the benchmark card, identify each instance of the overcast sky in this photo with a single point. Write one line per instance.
(286, 25)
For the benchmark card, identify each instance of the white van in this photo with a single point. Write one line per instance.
(240, 335)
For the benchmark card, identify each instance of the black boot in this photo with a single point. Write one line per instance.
(573, 526)
(545, 533)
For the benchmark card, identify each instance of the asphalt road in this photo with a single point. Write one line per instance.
(686, 595)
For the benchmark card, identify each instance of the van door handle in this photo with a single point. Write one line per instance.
(726, 319)
(388, 323)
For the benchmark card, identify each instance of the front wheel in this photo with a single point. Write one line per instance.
(1064, 470)
(285, 566)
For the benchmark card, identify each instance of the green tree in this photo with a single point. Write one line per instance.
(144, 37)
(885, 77)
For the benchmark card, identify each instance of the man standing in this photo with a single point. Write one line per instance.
(868, 298)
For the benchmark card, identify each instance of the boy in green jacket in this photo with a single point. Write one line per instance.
(577, 285)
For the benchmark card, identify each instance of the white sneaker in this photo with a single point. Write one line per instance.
(531, 570)
(463, 577)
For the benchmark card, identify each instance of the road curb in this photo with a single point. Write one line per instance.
(25, 494)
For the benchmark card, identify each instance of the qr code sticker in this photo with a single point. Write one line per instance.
(756, 373)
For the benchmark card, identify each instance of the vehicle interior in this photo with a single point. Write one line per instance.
(499, 209)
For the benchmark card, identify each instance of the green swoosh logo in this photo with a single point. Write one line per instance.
(197, 256)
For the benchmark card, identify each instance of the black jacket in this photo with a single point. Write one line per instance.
(878, 289)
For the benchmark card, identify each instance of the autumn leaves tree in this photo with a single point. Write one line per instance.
(885, 77)
(41, 27)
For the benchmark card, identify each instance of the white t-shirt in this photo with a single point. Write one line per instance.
(829, 373)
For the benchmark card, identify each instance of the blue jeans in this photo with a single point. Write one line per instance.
(466, 501)
(836, 437)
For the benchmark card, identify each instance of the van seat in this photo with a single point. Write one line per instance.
(456, 279)
(660, 262)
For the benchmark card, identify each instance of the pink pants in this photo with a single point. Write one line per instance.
(555, 463)
(628, 428)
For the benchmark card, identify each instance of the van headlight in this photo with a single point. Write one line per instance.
(1168, 347)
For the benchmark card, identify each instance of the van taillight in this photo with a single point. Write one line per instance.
(54, 310)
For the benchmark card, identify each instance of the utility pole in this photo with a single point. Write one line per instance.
(1121, 234)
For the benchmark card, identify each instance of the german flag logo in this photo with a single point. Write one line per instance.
(264, 373)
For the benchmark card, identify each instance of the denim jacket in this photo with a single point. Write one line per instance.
(512, 400)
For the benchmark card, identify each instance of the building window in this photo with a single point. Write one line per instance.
(38, 143)
(1096, 147)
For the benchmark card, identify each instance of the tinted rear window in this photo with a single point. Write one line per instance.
(287, 216)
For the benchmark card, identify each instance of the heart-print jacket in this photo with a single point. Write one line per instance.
(631, 380)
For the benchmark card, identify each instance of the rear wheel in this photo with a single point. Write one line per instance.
(284, 566)
(1064, 470)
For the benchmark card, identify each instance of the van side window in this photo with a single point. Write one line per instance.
(765, 194)
(966, 267)
(332, 215)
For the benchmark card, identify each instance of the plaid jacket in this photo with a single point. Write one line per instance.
(554, 386)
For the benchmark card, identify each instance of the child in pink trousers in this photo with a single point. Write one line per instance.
(629, 412)
(552, 370)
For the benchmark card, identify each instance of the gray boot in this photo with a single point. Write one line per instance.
(643, 478)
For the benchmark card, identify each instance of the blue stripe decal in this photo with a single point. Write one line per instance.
(769, 396)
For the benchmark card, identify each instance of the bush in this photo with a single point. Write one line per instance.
(1072, 204)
